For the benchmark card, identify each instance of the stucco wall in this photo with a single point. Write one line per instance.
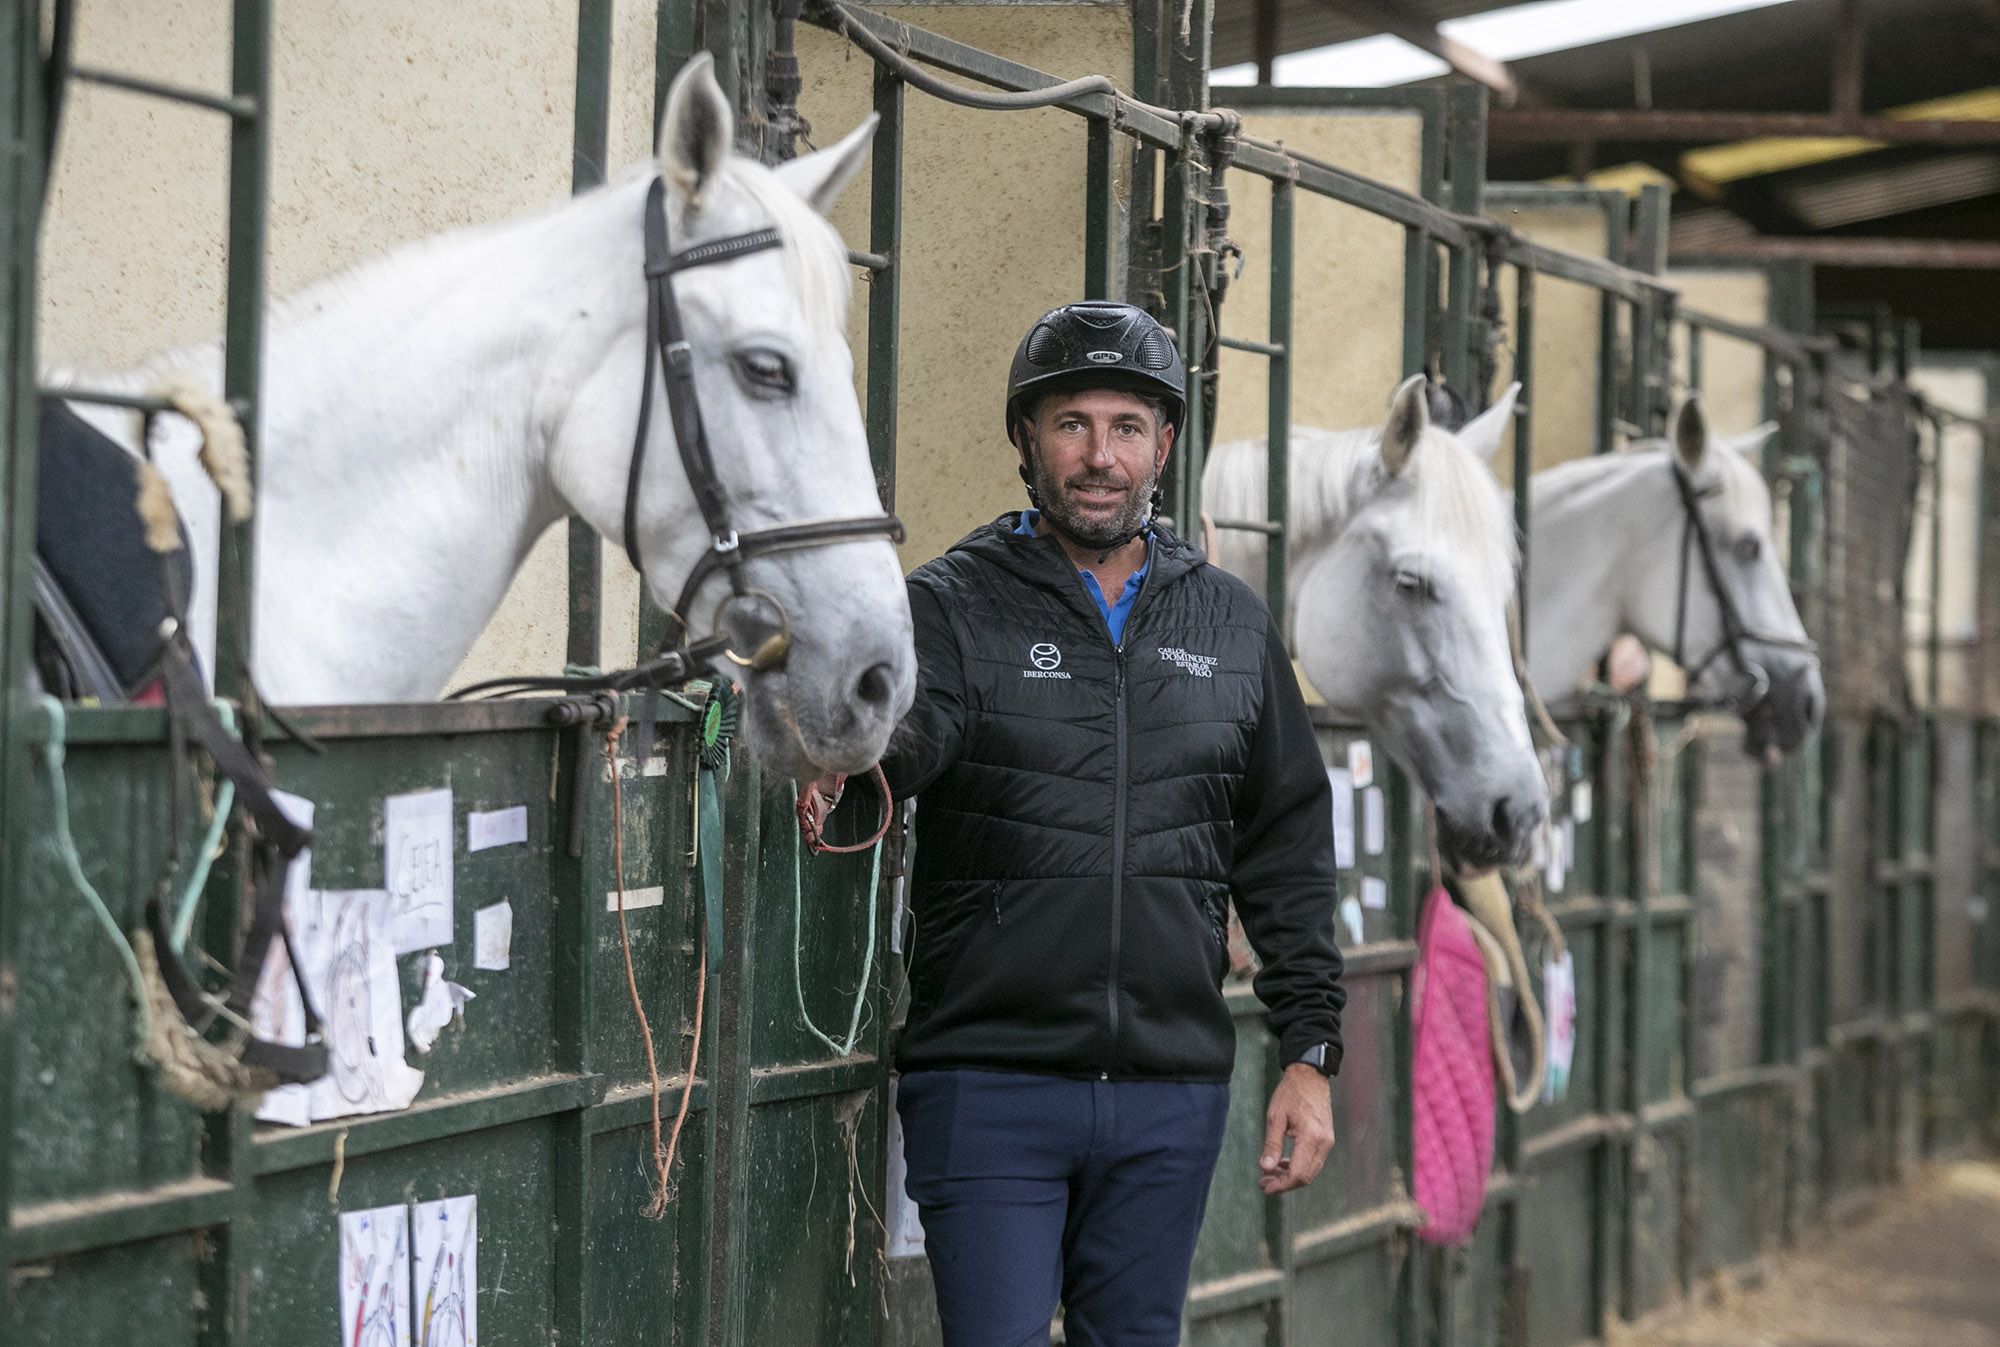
(1567, 335)
(992, 230)
(1347, 297)
(1963, 389)
(1732, 371)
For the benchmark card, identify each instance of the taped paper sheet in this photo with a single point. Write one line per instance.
(447, 1253)
(441, 1003)
(416, 866)
(1559, 1003)
(1361, 763)
(276, 1013)
(1343, 816)
(906, 1227)
(350, 972)
(493, 937)
(1373, 821)
(1374, 893)
(1350, 917)
(375, 1277)
(496, 828)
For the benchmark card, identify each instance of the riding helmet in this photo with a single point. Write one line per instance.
(1097, 344)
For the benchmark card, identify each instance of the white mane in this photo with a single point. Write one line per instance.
(1336, 473)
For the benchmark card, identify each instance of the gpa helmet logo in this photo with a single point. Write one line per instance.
(1104, 357)
(1045, 657)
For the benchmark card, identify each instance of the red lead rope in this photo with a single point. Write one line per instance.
(815, 805)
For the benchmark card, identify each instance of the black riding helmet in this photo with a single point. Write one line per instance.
(1097, 344)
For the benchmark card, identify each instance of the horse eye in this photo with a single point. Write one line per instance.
(765, 372)
(1414, 586)
(1748, 549)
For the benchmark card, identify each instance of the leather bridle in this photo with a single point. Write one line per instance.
(728, 547)
(681, 655)
(1736, 632)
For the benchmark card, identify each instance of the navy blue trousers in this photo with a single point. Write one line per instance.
(1039, 1189)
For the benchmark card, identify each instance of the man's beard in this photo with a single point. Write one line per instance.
(1066, 520)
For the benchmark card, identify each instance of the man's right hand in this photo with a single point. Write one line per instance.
(816, 800)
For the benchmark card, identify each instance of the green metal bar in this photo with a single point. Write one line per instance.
(733, 1014)
(1524, 430)
(885, 287)
(1694, 345)
(1264, 348)
(236, 106)
(1278, 397)
(1465, 150)
(1653, 314)
(243, 331)
(1609, 381)
(589, 135)
(1175, 282)
(1100, 211)
(21, 189)
(1417, 289)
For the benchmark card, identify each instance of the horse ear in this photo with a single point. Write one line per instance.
(1750, 441)
(1484, 432)
(820, 177)
(1408, 420)
(696, 130)
(1691, 433)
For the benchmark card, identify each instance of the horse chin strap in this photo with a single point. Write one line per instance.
(1736, 633)
(728, 548)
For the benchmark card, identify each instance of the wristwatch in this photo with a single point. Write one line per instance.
(1320, 1059)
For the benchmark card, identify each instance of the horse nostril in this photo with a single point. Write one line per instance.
(1812, 708)
(876, 684)
(1503, 820)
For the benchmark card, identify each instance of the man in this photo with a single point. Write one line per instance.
(1107, 743)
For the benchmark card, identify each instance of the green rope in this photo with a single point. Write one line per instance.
(53, 754)
(798, 941)
(211, 843)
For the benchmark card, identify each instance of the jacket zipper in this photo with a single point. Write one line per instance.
(1117, 847)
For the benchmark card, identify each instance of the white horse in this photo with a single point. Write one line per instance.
(428, 415)
(1401, 562)
(1611, 550)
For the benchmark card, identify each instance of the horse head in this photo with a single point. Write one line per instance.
(1400, 620)
(774, 380)
(1713, 592)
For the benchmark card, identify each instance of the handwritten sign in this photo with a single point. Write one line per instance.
(416, 868)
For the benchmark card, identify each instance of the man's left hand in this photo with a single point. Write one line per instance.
(1302, 1109)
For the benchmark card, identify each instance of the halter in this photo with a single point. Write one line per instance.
(1735, 631)
(728, 549)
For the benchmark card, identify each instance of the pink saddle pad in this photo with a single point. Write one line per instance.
(1453, 1099)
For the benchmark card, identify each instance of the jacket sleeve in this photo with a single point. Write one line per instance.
(928, 739)
(1283, 874)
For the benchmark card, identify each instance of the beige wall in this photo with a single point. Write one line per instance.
(992, 239)
(1732, 371)
(1567, 318)
(1963, 390)
(1347, 296)
(390, 121)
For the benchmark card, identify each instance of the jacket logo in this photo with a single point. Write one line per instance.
(1047, 660)
(1195, 666)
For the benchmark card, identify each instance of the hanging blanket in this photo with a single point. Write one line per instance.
(1453, 1105)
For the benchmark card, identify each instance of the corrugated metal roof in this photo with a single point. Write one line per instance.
(1305, 24)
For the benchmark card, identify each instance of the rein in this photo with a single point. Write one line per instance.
(1736, 632)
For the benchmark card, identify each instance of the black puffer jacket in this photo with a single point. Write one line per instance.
(1086, 811)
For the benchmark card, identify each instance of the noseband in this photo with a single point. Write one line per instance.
(728, 548)
(680, 656)
(1736, 633)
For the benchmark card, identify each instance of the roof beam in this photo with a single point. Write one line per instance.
(1914, 254)
(1850, 38)
(1385, 17)
(1565, 124)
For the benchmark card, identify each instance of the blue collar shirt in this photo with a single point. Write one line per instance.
(1114, 613)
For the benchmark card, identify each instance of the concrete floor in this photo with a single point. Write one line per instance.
(1920, 1268)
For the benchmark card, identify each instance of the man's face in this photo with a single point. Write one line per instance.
(1095, 457)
